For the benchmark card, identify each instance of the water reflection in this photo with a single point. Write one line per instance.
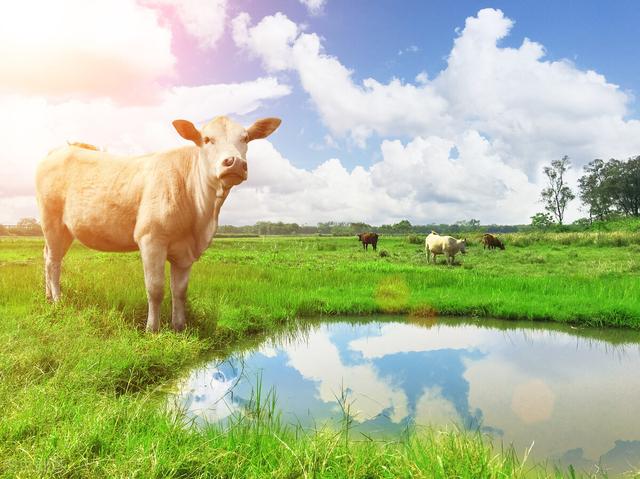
(573, 393)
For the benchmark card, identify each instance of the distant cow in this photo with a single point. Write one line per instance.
(369, 239)
(164, 204)
(491, 242)
(448, 246)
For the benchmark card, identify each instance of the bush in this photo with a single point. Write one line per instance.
(414, 239)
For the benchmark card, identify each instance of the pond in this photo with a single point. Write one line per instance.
(572, 393)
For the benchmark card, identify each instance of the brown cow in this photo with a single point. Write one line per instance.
(165, 204)
(369, 239)
(491, 242)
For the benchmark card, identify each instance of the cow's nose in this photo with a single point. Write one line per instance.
(235, 161)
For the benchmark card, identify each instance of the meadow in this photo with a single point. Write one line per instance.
(82, 386)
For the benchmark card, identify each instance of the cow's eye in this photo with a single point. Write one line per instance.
(208, 140)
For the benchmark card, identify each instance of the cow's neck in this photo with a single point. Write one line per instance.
(208, 199)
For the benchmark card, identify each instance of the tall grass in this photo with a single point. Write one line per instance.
(589, 238)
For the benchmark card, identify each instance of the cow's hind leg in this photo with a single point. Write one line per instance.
(154, 255)
(47, 286)
(179, 283)
(58, 240)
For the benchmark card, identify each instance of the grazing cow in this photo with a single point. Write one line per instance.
(491, 242)
(448, 246)
(369, 239)
(164, 204)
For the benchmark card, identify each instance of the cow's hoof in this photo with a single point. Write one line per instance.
(152, 328)
(177, 327)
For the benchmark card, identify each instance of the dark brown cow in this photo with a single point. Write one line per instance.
(491, 242)
(369, 239)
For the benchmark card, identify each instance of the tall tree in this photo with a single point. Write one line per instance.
(557, 194)
(624, 184)
(595, 190)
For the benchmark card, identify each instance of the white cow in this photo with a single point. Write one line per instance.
(435, 244)
(164, 204)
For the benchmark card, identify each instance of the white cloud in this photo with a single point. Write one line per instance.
(433, 408)
(36, 125)
(269, 40)
(397, 338)
(203, 19)
(315, 7)
(69, 47)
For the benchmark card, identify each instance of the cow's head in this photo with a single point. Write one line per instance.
(223, 146)
(463, 245)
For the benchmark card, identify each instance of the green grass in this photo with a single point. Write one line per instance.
(82, 386)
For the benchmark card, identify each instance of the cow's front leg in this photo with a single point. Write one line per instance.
(154, 255)
(179, 283)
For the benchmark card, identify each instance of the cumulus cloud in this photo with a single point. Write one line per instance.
(315, 7)
(69, 47)
(269, 40)
(203, 19)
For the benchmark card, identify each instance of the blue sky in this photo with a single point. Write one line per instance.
(429, 111)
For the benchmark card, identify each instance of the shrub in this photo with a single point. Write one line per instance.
(414, 239)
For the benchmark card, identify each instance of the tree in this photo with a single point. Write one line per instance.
(3, 230)
(541, 221)
(557, 194)
(595, 190)
(28, 227)
(468, 225)
(402, 227)
(624, 185)
(611, 187)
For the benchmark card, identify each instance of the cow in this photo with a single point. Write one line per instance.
(164, 204)
(491, 242)
(368, 239)
(448, 246)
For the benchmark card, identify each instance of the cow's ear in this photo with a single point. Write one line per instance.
(188, 131)
(262, 128)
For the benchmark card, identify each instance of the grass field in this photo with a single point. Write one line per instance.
(81, 383)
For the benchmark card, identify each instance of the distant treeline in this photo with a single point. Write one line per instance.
(334, 228)
(25, 227)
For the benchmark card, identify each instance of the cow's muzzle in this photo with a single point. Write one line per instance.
(234, 171)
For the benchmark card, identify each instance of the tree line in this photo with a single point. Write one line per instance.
(336, 228)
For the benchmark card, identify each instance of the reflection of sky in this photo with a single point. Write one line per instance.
(575, 397)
